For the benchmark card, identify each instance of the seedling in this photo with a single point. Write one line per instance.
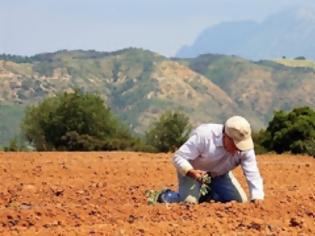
(152, 196)
(205, 185)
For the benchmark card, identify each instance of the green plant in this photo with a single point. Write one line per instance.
(13, 146)
(75, 121)
(205, 186)
(259, 138)
(16, 144)
(169, 132)
(293, 131)
(152, 196)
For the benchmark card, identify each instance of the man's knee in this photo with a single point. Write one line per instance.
(188, 189)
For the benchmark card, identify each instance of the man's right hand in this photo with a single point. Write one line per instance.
(196, 174)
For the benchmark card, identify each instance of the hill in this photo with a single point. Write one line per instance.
(288, 33)
(139, 85)
(260, 87)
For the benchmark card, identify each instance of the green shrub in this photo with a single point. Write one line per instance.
(300, 58)
(259, 139)
(75, 121)
(293, 131)
(15, 145)
(169, 132)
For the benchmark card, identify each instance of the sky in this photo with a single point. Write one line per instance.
(29, 27)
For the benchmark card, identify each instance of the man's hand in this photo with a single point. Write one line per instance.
(196, 174)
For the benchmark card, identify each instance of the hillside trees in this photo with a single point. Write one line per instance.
(169, 132)
(75, 121)
(291, 131)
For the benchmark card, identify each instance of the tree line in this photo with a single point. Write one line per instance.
(83, 122)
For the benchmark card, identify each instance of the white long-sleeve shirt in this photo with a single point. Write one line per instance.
(204, 151)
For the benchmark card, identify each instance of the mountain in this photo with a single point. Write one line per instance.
(289, 33)
(259, 87)
(139, 85)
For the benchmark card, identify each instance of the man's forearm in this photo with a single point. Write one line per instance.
(181, 164)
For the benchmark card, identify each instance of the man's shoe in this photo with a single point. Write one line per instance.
(168, 196)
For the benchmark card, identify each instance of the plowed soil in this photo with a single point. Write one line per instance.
(102, 193)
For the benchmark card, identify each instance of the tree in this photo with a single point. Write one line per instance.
(169, 132)
(258, 138)
(300, 58)
(74, 121)
(293, 131)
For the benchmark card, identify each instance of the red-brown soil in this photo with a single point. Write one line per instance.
(102, 193)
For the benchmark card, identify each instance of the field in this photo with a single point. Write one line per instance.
(102, 193)
(296, 63)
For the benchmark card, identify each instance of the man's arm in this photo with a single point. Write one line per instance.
(251, 172)
(190, 150)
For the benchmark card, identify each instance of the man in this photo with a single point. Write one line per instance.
(216, 149)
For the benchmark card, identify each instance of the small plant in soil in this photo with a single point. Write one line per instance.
(205, 185)
(152, 196)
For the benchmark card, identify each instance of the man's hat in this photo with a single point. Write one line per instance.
(238, 128)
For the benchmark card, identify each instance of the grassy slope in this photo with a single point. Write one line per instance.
(296, 63)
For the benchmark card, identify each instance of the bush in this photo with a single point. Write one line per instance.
(300, 58)
(12, 146)
(310, 146)
(293, 131)
(15, 145)
(169, 132)
(75, 121)
(259, 139)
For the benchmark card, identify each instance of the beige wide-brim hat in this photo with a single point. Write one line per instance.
(238, 128)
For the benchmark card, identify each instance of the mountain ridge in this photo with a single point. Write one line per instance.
(139, 85)
(287, 33)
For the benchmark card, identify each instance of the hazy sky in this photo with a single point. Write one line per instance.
(28, 27)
